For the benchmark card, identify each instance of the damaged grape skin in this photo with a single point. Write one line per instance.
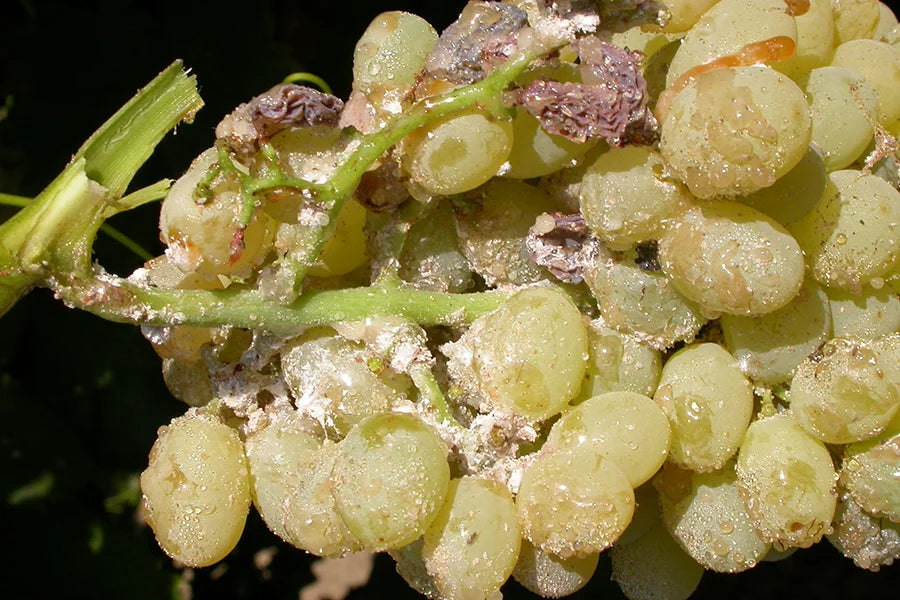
(787, 480)
(196, 489)
(733, 131)
(730, 258)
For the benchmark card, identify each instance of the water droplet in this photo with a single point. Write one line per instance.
(841, 239)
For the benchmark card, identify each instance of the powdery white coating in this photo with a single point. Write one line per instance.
(733, 131)
(848, 392)
(627, 428)
(199, 235)
(654, 567)
(331, 381)
(626, 196)
(196, 489)
(492, 232)
(641, 303)
(709, 403)
(390, 479)
(787, 481)
(871, 473)
(550, 576)
(843, 107)
(573, 501)
(853, 235)
(705, 513)
(458, 153)
(729, 26)
(527, 357)
(731, 258)
(870, 542)
(769, 347)
(471, 547)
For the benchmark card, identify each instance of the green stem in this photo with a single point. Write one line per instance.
(309, 78)
(425, 381)
(124, 301)
(22, 201)
(332, 193)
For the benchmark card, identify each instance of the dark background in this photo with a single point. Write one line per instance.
(81, 399)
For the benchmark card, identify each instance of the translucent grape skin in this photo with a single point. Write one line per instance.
(472, 546)
(627, 428)
(709, 404)
(787, 480)
(730, 258)
(846, 393)
(574, 502)
(196, 489)
(528, 356)
(734, 131)
(550, 576)
(390, 480)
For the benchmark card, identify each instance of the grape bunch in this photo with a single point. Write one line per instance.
(625, 277)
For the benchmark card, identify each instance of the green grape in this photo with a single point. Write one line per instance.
(550, 576)
(727, 27)
(851, 238)
(574, 502)
(847, 393)
(734, 131)
(564, 186)
(535, 152)
(411, 567)
(706, 515)
(390, 480)
(685, 13)
(431, 258)
(471, 547)
(647, 42)
(641, 302)
(196, 489)
(855, 19)
(190, 382)
(654, 567)
(528, 356)
(178, 342)
(796, 193)
(865, 316)
(730, 258)
(843, 107)
(618, 363)
(492, 232)
(646, 514)
(887, 20)
(458, 153)
(879, 64)
(627, 428)
(292, 489)
(626, 198)
(871, 473)
(200, 236)
(815, 41)
(391, 51)
(868, 541)
(787, 480)
(769, 347)
(709, 404)
(346, 249)
(329, 376)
